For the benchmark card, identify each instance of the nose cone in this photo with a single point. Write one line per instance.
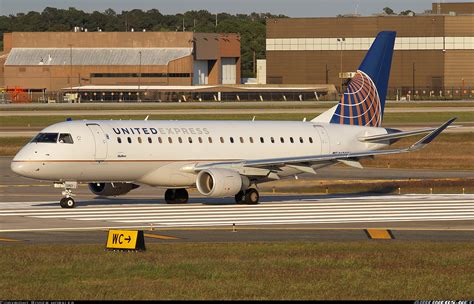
(17, 167)
(18, 164)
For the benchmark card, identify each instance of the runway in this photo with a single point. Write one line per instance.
(389, 211)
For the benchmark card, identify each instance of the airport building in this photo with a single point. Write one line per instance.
(433, 52)
(38, 61)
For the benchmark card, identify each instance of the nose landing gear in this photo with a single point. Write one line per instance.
(67, 201)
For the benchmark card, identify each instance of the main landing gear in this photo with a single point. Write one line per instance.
(176, 196)
(67, 201)
(249, 197)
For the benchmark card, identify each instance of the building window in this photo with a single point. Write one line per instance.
(119, 140)
(149, 140)
(135, 75)
(129, 139)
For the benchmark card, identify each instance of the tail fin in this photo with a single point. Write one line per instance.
(364, 100)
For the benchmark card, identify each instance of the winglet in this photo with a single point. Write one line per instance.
(429, 138)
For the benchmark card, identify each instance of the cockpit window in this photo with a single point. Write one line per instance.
(65, 138)
(46, 138)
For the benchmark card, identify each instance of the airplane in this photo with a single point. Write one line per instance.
(219, 158)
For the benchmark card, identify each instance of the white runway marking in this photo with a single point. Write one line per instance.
(401, 208)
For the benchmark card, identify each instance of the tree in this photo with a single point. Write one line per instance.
(388, 11)
(407, 12)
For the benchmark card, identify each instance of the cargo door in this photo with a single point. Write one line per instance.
(100, 141)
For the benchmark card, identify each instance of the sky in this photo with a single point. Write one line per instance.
(291, 8)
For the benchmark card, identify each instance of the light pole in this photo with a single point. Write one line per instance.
(139, 69)
(70, 65)
(341, 40)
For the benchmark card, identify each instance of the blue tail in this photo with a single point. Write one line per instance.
(364, 100)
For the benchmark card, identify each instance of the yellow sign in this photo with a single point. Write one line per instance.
(125, 239)
(382, 234)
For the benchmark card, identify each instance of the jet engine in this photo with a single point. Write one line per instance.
(111, 189)
(221, 182)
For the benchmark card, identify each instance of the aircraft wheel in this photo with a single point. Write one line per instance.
(181, 196)
(251, 196)
(170, 196)
(239, 197)
(67, 202)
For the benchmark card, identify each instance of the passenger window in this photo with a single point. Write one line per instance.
(251, 140)
(301, 139)
(129, 140)
(222, 139)
(190, 140)
(180, 140)
(149, 140)
(242, 140)
(139, 140)
(119, 140)
(159, 140)
(311, 140)
(231, 140)
(262, 140)
(65, 138)
(170, 140)
(282, 140)
(210, 140)
(291, 140)
(272, 140)
(200, 140)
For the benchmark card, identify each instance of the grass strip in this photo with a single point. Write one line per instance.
(363, 270)
(389, 118)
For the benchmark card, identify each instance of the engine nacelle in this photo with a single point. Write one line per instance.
(111, 189)
(221, 182)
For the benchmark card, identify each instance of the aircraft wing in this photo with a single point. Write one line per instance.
(396, 134)
(349, 158)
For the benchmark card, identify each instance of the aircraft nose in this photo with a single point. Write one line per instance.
(17, 167)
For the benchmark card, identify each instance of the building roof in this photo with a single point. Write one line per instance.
(95, 56)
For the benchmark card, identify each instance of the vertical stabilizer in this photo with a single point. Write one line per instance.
(363, 102)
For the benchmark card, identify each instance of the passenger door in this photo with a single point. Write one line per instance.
(324, 137)
(100, 141)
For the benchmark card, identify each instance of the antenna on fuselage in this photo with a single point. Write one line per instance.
(253, 119)
(146, 118)
(304, 119)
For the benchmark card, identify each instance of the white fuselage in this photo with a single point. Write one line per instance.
(155, 152)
